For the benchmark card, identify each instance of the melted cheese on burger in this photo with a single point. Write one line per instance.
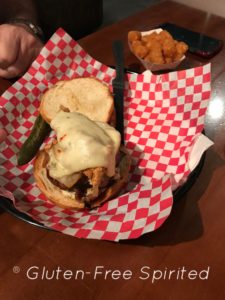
(82, 144)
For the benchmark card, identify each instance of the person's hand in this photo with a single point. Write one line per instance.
(18, 49)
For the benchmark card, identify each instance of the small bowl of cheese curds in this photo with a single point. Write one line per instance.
(157, 49)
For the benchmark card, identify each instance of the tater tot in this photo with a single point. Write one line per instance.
(157, 48)
(136, 43)
(164, 34)
(155, 54)
(134, 36)
(155, 57)
(153, 44)
(169, 48)
(181, 47)
(140, 50)
(177, 56)
(154, 35)
(145, 39)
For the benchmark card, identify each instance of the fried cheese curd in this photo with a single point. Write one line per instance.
(156, 48)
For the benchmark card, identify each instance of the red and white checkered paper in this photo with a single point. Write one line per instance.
(164, 114)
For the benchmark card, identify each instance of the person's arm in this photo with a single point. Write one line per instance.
(19, 45)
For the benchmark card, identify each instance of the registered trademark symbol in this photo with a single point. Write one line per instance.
(16, 269)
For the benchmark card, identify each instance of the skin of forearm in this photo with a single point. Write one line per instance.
(11, 9)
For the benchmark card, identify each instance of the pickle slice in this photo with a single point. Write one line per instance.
(39, 132)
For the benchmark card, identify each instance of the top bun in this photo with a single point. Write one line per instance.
(85, 95)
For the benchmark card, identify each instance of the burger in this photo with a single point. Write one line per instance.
(85, 165)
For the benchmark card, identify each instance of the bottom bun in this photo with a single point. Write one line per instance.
(69, 199)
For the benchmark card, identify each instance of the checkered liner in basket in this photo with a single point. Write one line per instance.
(164, 115)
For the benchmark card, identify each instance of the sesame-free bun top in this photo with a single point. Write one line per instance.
(86, 95)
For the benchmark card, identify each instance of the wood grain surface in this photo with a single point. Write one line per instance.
(191, 239)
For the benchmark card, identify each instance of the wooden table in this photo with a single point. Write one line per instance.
(192, 238)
